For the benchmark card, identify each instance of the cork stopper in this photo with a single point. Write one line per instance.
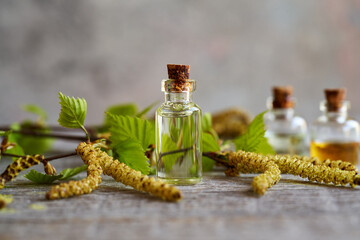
(282, 97)
(178, 72)
(334, 98)
(179, 78)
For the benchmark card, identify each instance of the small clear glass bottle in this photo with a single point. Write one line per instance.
(286, 132)
(333, 135)
(178, 130)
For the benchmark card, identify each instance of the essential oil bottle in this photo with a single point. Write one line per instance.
(178, 130)
(286, 132)
(333, 135)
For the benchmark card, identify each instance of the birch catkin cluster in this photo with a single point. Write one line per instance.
(100, 162)
(84, 186)
(337, 172)
(317, 173)
(342, 165)
(247, 162)
(124, 174)
(19, 165)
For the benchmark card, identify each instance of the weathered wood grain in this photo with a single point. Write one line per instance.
(218, 208)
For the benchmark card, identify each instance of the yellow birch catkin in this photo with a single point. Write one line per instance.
(49, 169)
(17, 166)
(124, 174)
(83, 186)
(342, 165)
(296, 166)
(317, 173)
(247, 162)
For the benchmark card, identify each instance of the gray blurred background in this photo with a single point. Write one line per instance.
(113, 52)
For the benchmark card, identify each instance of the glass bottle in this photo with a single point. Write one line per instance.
(333, 135)
(178, 130)
(286, 132)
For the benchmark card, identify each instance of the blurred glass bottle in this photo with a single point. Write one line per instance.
(178, 130)
(286, 132)
(333, 135)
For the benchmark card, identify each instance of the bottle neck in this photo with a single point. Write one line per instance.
(282, 113)
(337, 116)
(183, 97)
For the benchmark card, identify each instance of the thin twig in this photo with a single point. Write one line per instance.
(61, 156)
(216, 157)
(11, 155)
(47, 159)
(54, 135)
(173, 152)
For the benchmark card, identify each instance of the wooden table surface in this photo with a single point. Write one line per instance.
(218, 208)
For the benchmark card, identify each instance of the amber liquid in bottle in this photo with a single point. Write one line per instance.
(347, 151)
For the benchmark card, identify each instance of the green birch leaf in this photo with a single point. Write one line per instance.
(210, 144)
(206, 125)
(254, 135)
(2, 133)
(73, 111)
(206, 122)
(71, 172)
(132, 154)
(123, 109)
(127, 127)
(265, 148)
(254, 139)
(128, 109)
(41, 178)
(32, 108)
(130, 137)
